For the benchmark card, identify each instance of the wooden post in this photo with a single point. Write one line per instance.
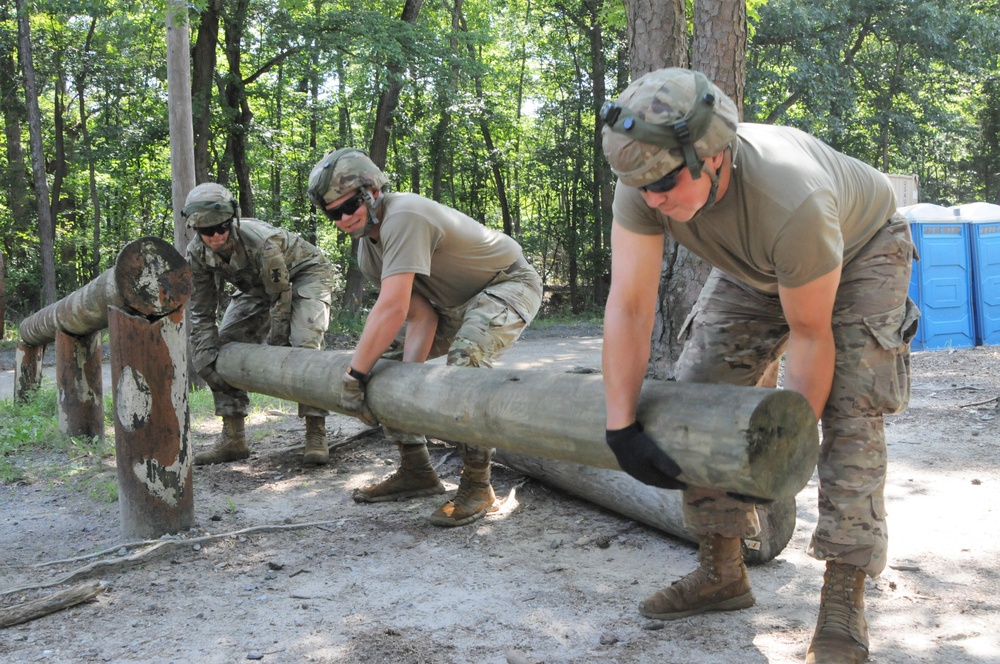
(754, 441)
(658, 508)
(152, 426)
(80, 385)
(27, 370)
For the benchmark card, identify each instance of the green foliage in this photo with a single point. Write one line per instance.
(500, 98)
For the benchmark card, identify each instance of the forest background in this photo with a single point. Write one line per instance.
(488, 106)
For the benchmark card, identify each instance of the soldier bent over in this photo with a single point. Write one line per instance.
(284, 288)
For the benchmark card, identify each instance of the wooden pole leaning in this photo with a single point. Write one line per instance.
(758, 442)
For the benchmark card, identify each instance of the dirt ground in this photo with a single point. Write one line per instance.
(549, 578)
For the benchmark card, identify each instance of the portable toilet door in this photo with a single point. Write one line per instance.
(941, 278)
(984, 232)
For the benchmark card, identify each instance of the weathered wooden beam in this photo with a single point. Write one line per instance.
(758, 442)
(658, 508)
(150, 278)
(27, 370)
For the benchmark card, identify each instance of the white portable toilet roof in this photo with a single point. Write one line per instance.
(928, 212)
(978, 212)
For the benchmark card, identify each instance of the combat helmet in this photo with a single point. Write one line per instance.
(209, 204)
(340, 172)
(663, 120)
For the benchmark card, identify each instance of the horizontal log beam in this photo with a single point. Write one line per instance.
(150, 278)
(758, 442)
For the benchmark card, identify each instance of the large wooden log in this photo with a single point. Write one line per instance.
(758, 442)
(658, 508)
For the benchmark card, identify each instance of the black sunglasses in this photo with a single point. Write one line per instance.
(348, 207)
(664, 184)
(218, 229)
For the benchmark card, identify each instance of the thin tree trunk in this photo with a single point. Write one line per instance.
(46, 228)
(202, 82)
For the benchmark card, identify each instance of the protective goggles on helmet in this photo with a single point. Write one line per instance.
(348, 207)
(664, 184)
(218, 229)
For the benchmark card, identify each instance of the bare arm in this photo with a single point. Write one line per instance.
(628, 320)
(384, 321)
(421, 324)
(810, 355)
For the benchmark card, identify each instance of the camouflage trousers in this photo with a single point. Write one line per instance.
(734, 335)
(248, 320)
(476, 333)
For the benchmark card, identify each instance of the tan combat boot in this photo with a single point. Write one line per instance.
(317, 453)
(414, 478)
(231, 445)
(475, 497)
(719, 584)
(841, 634)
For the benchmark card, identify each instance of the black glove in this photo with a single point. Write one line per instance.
(215, 381)
(640, 457)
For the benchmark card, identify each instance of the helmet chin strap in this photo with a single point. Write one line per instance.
(714, 177)
(372, 219)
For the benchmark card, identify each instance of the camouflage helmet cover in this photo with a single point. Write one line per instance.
(341, 171)
(661, 98)
(208, 204)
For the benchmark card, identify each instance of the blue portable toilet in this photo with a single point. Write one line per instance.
(941, 278)
(984, 232)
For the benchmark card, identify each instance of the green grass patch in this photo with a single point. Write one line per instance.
(32, 448)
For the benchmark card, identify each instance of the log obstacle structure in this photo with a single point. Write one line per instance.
(759, 442)
(141, 302)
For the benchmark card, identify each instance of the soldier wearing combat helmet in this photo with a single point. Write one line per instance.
(460, 288)
(283, 293)
(796, 233)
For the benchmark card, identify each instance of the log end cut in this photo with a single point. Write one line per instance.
(782, 442)
(152, 278)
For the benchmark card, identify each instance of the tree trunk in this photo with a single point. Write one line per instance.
(601, 193)
(389, 99)
(202, 84)
(235, 103)
(753, 441)
(719, 49)
(46, 228)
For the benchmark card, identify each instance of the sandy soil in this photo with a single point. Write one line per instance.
(549, 578)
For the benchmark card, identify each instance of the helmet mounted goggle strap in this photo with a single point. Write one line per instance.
(209, 206)
(680, 134)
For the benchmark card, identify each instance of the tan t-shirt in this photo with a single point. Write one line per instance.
(795, 209)
(452, 255)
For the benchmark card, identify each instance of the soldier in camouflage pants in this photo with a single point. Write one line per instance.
(283, 294)
(735, 334)
(447, 284)
(810, 262)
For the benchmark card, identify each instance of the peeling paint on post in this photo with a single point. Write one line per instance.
(152, 429)
(27, 370)
(79, 385)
